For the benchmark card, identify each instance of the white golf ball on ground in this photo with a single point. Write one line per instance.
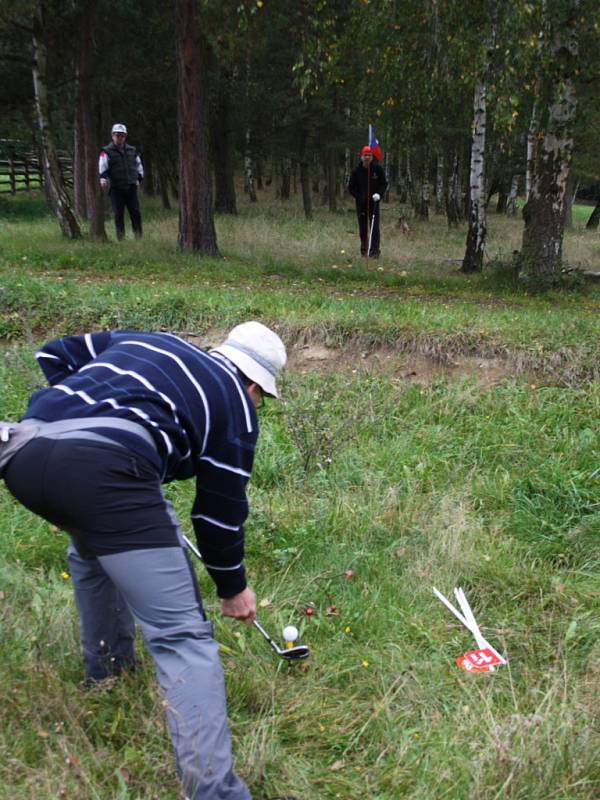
(290, 633)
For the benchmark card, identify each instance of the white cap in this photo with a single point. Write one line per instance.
(257, 351)
(119, 128)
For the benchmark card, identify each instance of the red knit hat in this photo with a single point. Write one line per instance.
(366, 151)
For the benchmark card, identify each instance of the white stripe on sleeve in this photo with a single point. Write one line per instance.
(216, 522)
(90, 345)
(228, 467)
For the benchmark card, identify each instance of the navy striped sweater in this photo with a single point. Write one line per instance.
(194, 405)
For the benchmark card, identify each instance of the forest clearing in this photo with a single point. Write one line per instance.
(435, 429)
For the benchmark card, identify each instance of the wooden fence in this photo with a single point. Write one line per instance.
(23, 172)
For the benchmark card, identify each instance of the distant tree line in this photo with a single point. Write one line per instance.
(469, 98)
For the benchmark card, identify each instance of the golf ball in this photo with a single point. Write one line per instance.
(290, 633)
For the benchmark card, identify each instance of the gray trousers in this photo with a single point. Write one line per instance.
(111, 502)
(162, 600)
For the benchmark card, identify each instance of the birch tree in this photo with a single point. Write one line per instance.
(545, 210)
(473, 258)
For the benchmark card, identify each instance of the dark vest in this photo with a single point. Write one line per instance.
(122, 169)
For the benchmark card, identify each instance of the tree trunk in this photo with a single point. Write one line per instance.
(422, 207)
(502, 201)
(163, 186)
(224, 148)
(592, 223)
(196, 225)
(347, 167)
(531, 136)
(569, 200)
(94, 200)
(410, 186)
(79, 201)
(453, 210)
(511, 206)
(386, 169)
(331, 180)
(249, 169)
(439, 184)
(286, 175)
(545, 210)
(149, 178)
(305, 176)
(473, 260)
(54, 184)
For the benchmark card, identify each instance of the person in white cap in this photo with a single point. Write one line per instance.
(121, 169)
(124, 413)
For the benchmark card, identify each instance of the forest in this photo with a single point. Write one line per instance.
(469, 100)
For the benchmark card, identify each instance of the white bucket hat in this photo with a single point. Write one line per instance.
(119, 128)
(257, 351)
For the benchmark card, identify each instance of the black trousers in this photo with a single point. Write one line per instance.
(120, 198)
(363, 228)
(108, 499)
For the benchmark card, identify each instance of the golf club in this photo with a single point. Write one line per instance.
(290, 653)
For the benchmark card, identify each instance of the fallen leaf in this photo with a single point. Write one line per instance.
(337, 765)
(331, 611)
(265, 603)
(125, 774)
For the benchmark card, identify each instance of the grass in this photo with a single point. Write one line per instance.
(443, 482)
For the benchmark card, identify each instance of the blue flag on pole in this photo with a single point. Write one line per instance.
(374, 144)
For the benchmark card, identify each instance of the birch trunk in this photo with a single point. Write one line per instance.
(249, 168)
(545, 210)
(196, 225)
(439, 184)
(386, 169)
(473, 260)
(531, 137)
(54, 184)
(511, 206)
(347, 166)
(423, 205)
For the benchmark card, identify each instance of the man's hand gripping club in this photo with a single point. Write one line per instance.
(241, 606)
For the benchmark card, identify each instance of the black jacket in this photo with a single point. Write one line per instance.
(362, 187)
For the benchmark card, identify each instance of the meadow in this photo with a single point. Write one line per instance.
(435, 429)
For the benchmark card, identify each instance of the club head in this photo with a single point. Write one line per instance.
(295, 653)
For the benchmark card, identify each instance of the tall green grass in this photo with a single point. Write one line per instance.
(444, 482)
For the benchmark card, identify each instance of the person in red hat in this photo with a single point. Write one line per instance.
(368, 185)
